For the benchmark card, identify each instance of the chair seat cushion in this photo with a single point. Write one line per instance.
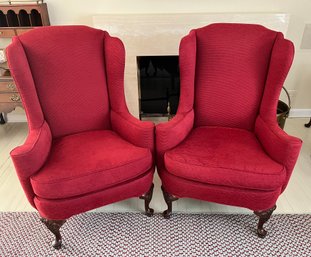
(225, 156)
(88, 162)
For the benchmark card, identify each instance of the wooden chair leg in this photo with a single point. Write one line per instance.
(147, 197)
(168, 199)
(54, 226)
(264, 216)
(2, 120)
(308, 125)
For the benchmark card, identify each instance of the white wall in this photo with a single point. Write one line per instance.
(160, 34)
(299, 79)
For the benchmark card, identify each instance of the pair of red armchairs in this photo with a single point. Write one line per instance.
(84, 149)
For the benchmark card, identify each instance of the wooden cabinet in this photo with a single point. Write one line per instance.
(9, 96)
(8, 32)
(16, 19)
(14, 16)
(4, 32)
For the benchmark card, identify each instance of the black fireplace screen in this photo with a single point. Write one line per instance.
(159, 85)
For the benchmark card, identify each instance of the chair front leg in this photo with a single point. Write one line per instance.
(54, 226)
(264, 216)
(147, 197)
(168, 199)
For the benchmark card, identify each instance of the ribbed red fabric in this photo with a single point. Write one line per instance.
(83, 144)
(31, 156)
(104, 160)
(226, 157)
(224, 145)
(248, 198)
(71, 86)
(231, 70)
(65, 208)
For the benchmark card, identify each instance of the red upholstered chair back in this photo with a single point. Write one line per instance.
(68, 68)
(232, 62)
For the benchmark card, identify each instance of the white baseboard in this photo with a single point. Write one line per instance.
(16, 117)
(294, 113)
(300, 113)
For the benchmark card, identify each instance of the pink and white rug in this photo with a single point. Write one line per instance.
(134, 234)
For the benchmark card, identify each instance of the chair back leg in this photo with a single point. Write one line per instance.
(147, 197)
(169, 198)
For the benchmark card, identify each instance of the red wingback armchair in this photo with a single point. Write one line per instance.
(224, 144)
(84, 150)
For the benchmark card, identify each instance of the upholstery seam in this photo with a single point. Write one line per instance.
(266, 79)
(224, 186)
(244, 171)
(33, 145)
(90, 173)
(145, 174)
(274, 133)
(129, 121)
(183, 114)
(34, 84)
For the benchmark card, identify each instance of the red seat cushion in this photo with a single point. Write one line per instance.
(225, 156)
(87, 162)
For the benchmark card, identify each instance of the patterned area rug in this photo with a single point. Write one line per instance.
(134, 234)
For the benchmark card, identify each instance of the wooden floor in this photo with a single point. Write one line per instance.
(295, 199)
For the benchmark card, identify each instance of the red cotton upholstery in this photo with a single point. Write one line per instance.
(84, 149)
(224, 144)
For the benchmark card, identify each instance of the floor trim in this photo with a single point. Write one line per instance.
(300, 113)
(15, 117)
(294, 113)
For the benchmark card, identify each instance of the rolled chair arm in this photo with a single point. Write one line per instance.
(280, 146)
(139, 133)
(31, 156)
(172, 133)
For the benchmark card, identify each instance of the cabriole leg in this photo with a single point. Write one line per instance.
(147, 197)
(168, 199)
(54, 226)
(264, 216)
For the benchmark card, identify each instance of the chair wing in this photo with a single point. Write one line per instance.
(84, 149)
(224, 145)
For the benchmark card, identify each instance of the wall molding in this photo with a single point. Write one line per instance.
(16, 117)
(300, 113)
